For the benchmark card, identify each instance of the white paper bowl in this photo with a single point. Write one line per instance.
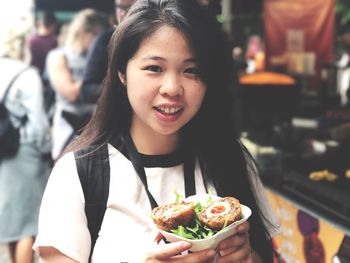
(212, 241)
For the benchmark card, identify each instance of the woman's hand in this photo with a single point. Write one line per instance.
(171, 253)
(237, 247)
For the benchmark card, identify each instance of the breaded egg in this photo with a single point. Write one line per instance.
(220, 212)
(168, 217)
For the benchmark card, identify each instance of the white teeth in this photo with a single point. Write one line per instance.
(168, 110)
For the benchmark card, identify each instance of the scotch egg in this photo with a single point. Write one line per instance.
(221, 212)
(168, 217)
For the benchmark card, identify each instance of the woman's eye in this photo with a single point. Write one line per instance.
(192, 71)
(154, 68)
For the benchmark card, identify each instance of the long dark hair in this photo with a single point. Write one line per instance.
(211, 135)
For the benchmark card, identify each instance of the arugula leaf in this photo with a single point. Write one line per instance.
(181, 231)
(225, 224)
(178, 198)
(210, 198)
(194, 231)
(198, 208)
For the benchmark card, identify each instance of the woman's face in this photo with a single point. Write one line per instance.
(162, 82)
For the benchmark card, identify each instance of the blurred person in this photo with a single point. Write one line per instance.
(43, 40)
(344, 42)
(238, 58)
(344, 64)
(255, 54)
(39, 44)
(98, 56)
(22, 177)
(65, 66)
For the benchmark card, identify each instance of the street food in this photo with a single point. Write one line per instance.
(220, 213)
(323, 175)
(170, 216)
(347, 173)
(194, 220)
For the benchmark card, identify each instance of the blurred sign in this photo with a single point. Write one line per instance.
(295, 41)
(305, 238)
(298, 26)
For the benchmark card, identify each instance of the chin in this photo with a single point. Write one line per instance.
(168, 131)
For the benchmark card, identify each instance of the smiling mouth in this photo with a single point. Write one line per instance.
(169, 110)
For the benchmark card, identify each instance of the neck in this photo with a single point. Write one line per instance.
(154, 144)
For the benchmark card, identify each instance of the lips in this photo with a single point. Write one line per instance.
(168, 113)
(169, 110)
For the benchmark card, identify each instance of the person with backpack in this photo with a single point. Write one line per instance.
(23, 168)
(163, 125)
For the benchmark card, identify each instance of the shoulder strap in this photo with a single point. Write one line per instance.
(94, 174)
(11, 83)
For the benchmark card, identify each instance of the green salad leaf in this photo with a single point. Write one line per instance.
(198, 208)
(195, 229)
(178, 197)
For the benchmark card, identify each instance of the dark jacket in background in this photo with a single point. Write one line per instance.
(96, 68)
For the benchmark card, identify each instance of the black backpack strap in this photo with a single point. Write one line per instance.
(94, 174)
(14, 78)
(22, 119)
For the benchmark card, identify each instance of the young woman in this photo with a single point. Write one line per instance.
(167, 94)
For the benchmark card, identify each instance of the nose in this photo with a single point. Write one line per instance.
(171, 85)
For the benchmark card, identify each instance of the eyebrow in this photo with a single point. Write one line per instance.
(151, 57)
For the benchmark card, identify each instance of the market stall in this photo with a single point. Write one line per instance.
(303, 153)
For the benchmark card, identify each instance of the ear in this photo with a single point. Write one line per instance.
(122, 78)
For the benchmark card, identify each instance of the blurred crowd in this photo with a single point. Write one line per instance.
(46, 70)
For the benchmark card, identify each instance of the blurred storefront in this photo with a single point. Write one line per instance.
(295, 118)
(299, 35)
(75, 5)
(294, 110)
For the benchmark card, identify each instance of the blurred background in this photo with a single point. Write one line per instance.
(292, 62)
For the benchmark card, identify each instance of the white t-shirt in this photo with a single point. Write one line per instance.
(127, 229)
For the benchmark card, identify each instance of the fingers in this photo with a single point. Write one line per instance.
(241, 255)
(158, 238)
(237, 247)
(237, 240)
(172, 253)
(244, 227)
(233, 249)
(170, 250)
(232, 244)
(196, 257)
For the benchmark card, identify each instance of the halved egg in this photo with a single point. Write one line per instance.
(220, 212)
